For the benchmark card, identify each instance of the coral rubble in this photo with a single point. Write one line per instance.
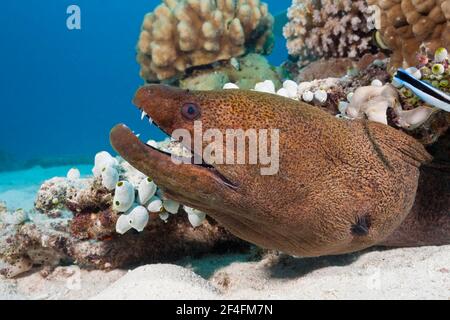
(180, 34)
(405, 25)
(329, 28)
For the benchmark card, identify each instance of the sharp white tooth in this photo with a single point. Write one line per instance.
(138, 135)
(152, 143)
(143, 114)
(150, 120)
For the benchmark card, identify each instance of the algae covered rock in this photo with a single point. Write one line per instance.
(244, 71)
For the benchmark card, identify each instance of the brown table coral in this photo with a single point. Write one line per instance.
(180, 34)
(406, 24)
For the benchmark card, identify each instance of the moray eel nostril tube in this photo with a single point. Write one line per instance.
(341, 186)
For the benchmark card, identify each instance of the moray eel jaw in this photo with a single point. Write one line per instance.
(341, 186)
(201, 181)
(201, 186)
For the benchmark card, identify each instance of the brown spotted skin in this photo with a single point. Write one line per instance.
(342, 186)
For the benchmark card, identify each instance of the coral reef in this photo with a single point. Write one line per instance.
(48, 242)
(327, 93)
(405, 25)
(401, 108)
(329, 68)
(364, 92)
(76, 221)
(181, 34)
(245, 71)
(433, 68)
(341, 88)
(329, 28)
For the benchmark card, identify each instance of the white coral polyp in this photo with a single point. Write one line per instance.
(376, 83)
(146, 190)
(230, 85)
(110, 177)
(440, 55)
(123, 196)
(73, 174)
(155, 204)
(138, 218)
(308, 96)
(171, 206)
(321, 96)
(291, 87)
(414, 72)
(283, 92)
(102, 160)
(123, 224)
(164, 216)
(266, 86)
(195, 217)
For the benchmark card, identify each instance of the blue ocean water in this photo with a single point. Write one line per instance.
(62, 90)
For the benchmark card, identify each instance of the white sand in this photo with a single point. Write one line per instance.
(410, 273)
(160, 281)
(63, 283)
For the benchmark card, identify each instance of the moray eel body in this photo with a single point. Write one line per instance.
(342, 186)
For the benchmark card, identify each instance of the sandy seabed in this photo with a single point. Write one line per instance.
(405, 273)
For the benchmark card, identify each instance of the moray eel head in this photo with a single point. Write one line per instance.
(338, 186)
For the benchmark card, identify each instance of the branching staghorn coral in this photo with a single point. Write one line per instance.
(181, 34)
(405, 25)
(329, 28)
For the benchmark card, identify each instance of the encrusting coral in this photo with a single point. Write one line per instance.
(181, 34)
(405, 25)
(329, 28)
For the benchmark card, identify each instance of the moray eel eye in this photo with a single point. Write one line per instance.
(190, 111)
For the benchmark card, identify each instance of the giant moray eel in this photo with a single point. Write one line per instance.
(342, 186)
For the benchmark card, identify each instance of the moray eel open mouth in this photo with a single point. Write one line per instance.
(341, 186)
(124, 140)
(191, 159)
(159, 164)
